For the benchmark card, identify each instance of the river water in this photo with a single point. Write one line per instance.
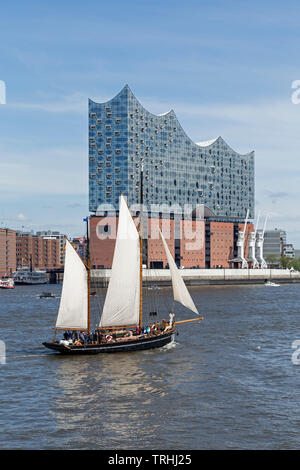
(227, 383)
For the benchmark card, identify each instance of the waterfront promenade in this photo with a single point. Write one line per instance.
(195, 277)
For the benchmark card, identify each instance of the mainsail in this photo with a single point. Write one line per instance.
(73, 309)
(180, 292)
(121, 307)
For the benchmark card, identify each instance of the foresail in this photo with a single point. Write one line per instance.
(180, 292)
(73, 309)
(121, 307)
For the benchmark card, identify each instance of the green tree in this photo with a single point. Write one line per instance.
(272, 260)
(285, 261)
(295, 264)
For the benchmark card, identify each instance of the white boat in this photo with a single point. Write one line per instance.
(154, 287)
(28, 276)
(121, 326)
(47, 295)
(271, 284)
(7, 283)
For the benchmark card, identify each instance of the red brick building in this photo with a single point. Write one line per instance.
(193, 243)
(7, 252)
(41, 253)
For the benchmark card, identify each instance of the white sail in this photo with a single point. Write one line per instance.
(121, 307)
(73, 309)
(180, 292)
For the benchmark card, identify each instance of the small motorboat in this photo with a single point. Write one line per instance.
(47, 295)
(271, 284)
(7, 283)
(154, 287)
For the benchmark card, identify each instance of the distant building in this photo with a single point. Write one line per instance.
(288, 250)
(297, 253)
(38, 251)
(49, 234)
(207, 243)
(275, 244)
(274, 241)
(7, 251)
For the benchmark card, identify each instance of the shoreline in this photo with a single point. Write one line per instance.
(202, 277)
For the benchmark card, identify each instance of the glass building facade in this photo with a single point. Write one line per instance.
(124, 136)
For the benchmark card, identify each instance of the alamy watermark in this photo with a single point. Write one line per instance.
(2, 353)
(296, 94)
(2, 92)
(296, 354)
(174, 222)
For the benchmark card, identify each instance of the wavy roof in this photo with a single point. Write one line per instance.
(170, 113)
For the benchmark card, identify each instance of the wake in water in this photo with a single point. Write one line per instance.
(170, 345)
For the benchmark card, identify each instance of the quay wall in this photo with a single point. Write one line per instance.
(195, 277)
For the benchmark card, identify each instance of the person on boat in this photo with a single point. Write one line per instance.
(74, 336)
(81, 336)
(94, 337)
(170, 325)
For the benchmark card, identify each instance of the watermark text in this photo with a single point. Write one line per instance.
(2, 92)
(296, 94)
(2, 353)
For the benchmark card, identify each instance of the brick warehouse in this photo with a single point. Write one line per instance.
(41, 253)
(213, 247)
(7, 252)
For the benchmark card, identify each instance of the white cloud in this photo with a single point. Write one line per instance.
(21, 217)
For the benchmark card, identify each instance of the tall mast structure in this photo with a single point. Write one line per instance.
(141, 247)
(88, 268)
(259, 245)
(252, 242)
(241, 244)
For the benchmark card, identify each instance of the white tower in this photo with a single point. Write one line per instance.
(241, 243)
(252, 240)
(260, 244)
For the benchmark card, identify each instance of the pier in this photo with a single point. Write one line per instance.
(199, 277)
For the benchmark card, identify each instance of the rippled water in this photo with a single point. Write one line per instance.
(227, 383)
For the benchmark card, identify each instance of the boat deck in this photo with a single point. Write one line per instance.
(129, 344)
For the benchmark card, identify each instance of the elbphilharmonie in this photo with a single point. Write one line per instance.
(127, 141)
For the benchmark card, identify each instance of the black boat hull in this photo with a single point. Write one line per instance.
(140, 344)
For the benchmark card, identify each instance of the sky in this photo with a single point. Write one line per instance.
(225, 68)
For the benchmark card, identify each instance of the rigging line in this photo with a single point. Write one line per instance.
(96, 289)
(167, 300)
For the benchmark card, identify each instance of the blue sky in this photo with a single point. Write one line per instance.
(226, 68)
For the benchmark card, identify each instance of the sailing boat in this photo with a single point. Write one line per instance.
(121, 325)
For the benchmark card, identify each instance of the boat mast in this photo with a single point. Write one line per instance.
(141, 250)
(88, 261)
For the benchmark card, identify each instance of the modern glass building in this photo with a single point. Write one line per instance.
(123, 136)
(274, 241)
